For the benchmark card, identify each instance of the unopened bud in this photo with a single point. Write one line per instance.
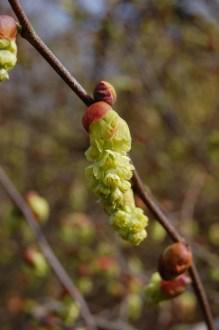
(175, 260)
(38, 205)
(8, 27)
(174, 288)
(35, 260)
(104, 91)
(159, 290)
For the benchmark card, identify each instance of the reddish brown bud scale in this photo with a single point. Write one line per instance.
(15, 304)
(175, 287)
(105, 263)
(95, 112)
(63, 293)
(28, 256)
(104, 91)
(28, 198)
(8, 27)
(29, 195)
(175, 260)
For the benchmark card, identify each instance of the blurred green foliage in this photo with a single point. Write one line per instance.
(162, 58)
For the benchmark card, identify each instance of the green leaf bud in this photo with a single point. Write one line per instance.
(36, 260)
(38, 205)
(134, 306)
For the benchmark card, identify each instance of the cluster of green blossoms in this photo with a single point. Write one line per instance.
(8, 47)
(111, 170)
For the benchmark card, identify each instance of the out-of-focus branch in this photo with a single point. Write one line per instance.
(102, 323)
(53, 261)
(30, 35)
(115, 325)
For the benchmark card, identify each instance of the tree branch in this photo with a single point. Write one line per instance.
(153, 206)
(30, 35)
(53, 261)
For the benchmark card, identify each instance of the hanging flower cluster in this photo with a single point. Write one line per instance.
(111, 169)
(8, 47)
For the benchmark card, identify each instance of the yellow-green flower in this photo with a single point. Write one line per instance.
(111, 170)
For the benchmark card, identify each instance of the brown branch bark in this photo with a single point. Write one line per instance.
(30, 35)
(53, 261)
(153, 206)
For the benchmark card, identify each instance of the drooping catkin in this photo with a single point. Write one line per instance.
(110, 171)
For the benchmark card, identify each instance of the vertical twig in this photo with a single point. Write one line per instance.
(175, 236)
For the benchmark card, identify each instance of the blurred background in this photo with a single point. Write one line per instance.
(162, 56)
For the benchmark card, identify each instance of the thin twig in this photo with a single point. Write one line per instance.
(115, 325)
(30, 35)
(102, 323)
(153, 206)
(53, 261)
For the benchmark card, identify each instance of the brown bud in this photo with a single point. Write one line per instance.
(8, 27)
(28, 256)
(95, 112)
(104, 91)
(175, 260)
(175, 287)
(15, 304)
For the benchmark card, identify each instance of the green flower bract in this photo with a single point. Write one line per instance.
(8, 57)
(110, 173)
